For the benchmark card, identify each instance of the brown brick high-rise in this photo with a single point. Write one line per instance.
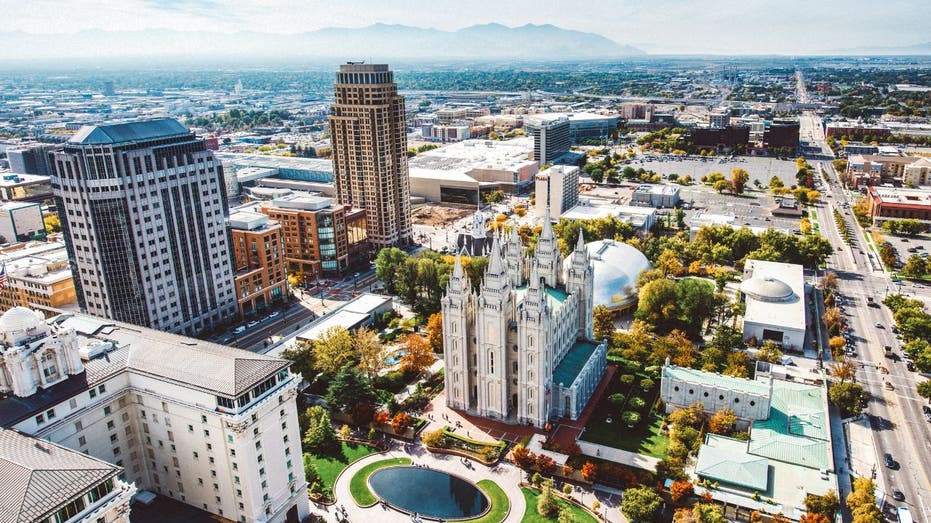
(369, 140)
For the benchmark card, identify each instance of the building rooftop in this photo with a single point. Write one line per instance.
(302, 201)
(725, 459)
(774, 294)
(573, 362)
(797, 428)
(128, 132)
(39, 476)
(17, 179)
(616, 269)
(901, 196)
(248, 220)
(712, 379)
(475, 154)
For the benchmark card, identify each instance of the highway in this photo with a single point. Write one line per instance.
(899, 427)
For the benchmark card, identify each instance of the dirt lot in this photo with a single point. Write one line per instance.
(437, 215)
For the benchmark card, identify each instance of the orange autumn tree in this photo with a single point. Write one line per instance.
(419, 355)
(589, 471)
(680, 490)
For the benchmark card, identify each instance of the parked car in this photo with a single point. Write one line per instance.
(890, 463)
(252, 323)
(239, 330)
(274, 314)
(897, 495)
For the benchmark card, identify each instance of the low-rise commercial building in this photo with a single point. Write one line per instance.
(38, 276)
(774, 295)
(658, 196)
(258, 256)
(896, 203)
(207, 425)
(870, 169)
(583, 127)
(641, 218)
(918, 173)
(636, 111)
(21, 221)
(30, 158)
(25, 187)
(320, 237)
(445, 133)
(782, 136)
(855, 131)
(557, 190)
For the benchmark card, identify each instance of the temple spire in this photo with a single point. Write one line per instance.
(495, 265)
(547, 233)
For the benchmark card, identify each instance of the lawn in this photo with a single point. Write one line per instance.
(645, 438)
(358, 485)
(532, 516)
(499, 503)
(330, 466)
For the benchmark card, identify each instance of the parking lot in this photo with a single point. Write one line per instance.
(906, 247)
(759, 168)
(752, 212)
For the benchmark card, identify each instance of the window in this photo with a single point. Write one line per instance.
(106, 410)
(92, 393)
(40, 419)
(206, 433)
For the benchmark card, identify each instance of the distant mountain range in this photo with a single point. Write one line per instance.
(915, 49)
(378, 41)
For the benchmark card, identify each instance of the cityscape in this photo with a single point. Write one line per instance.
(486, 263)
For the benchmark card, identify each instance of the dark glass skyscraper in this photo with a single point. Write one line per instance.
(143, 209)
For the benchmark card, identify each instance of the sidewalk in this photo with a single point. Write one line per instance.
(619, 456)
(841, 458)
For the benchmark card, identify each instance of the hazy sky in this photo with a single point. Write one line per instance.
(657, 26)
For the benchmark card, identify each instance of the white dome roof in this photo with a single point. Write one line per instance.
(20, 319)
(617, 266)
(766, 288)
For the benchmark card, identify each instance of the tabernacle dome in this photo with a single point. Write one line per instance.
(617, 268)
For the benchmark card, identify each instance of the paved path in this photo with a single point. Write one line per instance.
(504, 475)
(619, 456)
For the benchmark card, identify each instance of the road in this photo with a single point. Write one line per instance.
(899, 426)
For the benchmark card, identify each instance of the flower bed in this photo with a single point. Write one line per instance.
(452, 443)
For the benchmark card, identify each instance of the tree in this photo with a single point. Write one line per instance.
(805, 226)
(320, 438)
(349, 389)
(829, 282)
(850, 398)
(369, 349)
(546, 504)
(915, 267)
(722, 421)
(52, 223)
(769, 352)
(345, 431)
(332, 350)
(863, 493)
(603, 322)
(434, 438)
(708, 513)
(630, 418)
(435, 332)
(302, 359)
(843, 370)
(836, 343)
(813, 517)
(721, 186)
(565, 513)
(589, 471)
(419, 355)
(523, 458)
(738, 365)
(825, 505)
(739, 179)
(386, 267)
(680, 491)
(924, 389)
(400, 422)
(641, 504)
(867, 514)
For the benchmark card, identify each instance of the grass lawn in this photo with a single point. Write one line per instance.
(645, 438)
(330, 466)
(499, 503)
(358, 485)
(532, 516)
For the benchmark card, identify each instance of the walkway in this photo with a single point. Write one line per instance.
(504, 475)
(841, 459)
(619, 456)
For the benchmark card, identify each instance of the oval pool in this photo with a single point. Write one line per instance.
(428, 492)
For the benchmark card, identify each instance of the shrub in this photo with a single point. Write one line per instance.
(630, 417)
(637, 403)
(523, 458)
(400, 422)
(589, 471)
(546, 464)
(646, 384)
(627, 379)
(536, 479)
(435, 439)
(617, 398)
(372, 434)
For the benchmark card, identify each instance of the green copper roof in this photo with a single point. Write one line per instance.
(796, 431)
(557, 294)
(725, 459)
(573, 363)
(714, 379)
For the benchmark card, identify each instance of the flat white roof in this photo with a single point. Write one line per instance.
(786, 314)
(461, 157)
(902, 196)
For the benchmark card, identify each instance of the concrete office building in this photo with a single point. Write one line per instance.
(39, 277)
(636, 111)
(719, 120)
(21, 221)
(557, 190)
(774, 294)
(369, 139)
(896, 203)
(258, 254)
(550, 136)
(655, 196)
(641, 218)
(143, 210)
(918, 173)
(25, 187)
(31, 159)
(207, 425)
(320, 238)
(44, 482)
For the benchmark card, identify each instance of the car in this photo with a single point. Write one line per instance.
(239, 330)
(910, 366)
(904, 239)
(274, 314)
(252, 323)
(897, 495)
(926, 409)
(890, 463)
(879, 325)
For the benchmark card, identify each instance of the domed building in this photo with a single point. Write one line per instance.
(774, 294)
(30, 357)
(617, 266)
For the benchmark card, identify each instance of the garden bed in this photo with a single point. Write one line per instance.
(482, 451)
(531, 495)
(330, 466)
(645, 437)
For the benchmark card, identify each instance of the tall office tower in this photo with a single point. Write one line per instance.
(369, 140)
(143, 208)
(550, 136)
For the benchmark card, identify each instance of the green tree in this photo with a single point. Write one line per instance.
(386, 266)
(546, 503)
(641, 504)
(301, 357)
(826, 505)
(332, 350)
(320, 437)
(603, 322)
(924, 389)
(915, 267)
(708, 513)
(849, 397)
(348, 390)
(769, 352)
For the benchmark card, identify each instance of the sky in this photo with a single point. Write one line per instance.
(656, 26)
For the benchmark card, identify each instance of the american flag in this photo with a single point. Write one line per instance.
(3, 276)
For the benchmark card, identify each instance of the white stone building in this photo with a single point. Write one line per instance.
(681, 387)
(211, 426)
(520, 349)
(557, 189)
(775, 297)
